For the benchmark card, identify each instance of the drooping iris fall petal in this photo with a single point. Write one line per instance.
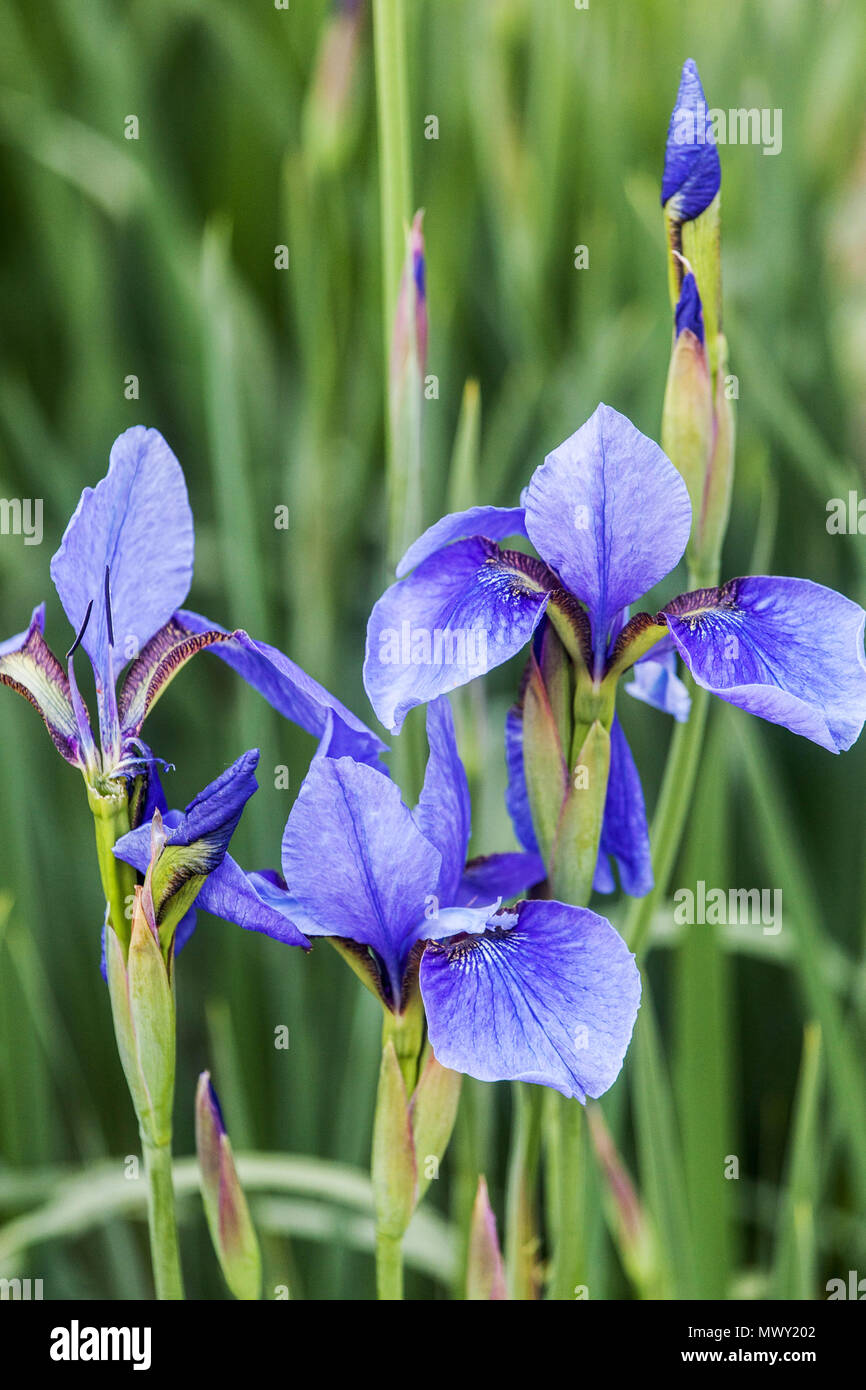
(788, 650)
(549, 996)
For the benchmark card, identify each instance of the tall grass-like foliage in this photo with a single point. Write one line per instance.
(218, 268)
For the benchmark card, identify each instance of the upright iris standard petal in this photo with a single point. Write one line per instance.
(464, 610)
(624, 831)
(655, 682)
(692, 173)
(137, 525)
(550, 996)
(443, 813)
(494, 523)
(290, 690)
(610, 514)
(788, 650)
(356, 863)
(28, 665)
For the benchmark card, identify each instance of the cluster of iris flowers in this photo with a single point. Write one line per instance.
(493, 967)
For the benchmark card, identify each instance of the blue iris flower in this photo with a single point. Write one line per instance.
(197, 839)
(609, 516)
(692, 173)
(539, 992)
(122, 572)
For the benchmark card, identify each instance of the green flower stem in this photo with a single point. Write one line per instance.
(110, 821)
(161, 1220)
(521, 1238)
(669, 820)
(389, 1267)
(572, 882)
(567, 1123)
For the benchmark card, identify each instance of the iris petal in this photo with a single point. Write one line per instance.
(290, 690)
(624, 831)
(356, 863)
(28, 665)
(463, 611)
(788, 650)
(550, 999)
(163, 657)
(237, 897)
(517, 792)
(211, 817)
(499, 876)
(443, 813)
(655, 682)
(610, 514)
(495, 523)
(137, 524)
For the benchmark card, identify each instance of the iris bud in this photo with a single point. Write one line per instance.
(691, 200)
(698, 430)
(485, 1273)
(228, 1216)
(630, 1224)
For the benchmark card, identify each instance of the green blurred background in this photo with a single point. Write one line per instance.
(155, 258)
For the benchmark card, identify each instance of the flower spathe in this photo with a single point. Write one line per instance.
(609, 517)
(122, 572)
(543, 992)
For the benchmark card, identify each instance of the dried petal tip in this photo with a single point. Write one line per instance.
(228, 1216)
(692, 173)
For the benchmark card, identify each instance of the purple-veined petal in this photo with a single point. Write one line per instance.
(788, 650)
(495, 523)
(290, 690)
(356, 863)
(610, 514)
(503, 876)
(624, 831)
(516, 791)
(655, 682)
(551, 999)
(692, 173)
(28, 665)
(136, 524)
(463, 611)
(443, 813)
